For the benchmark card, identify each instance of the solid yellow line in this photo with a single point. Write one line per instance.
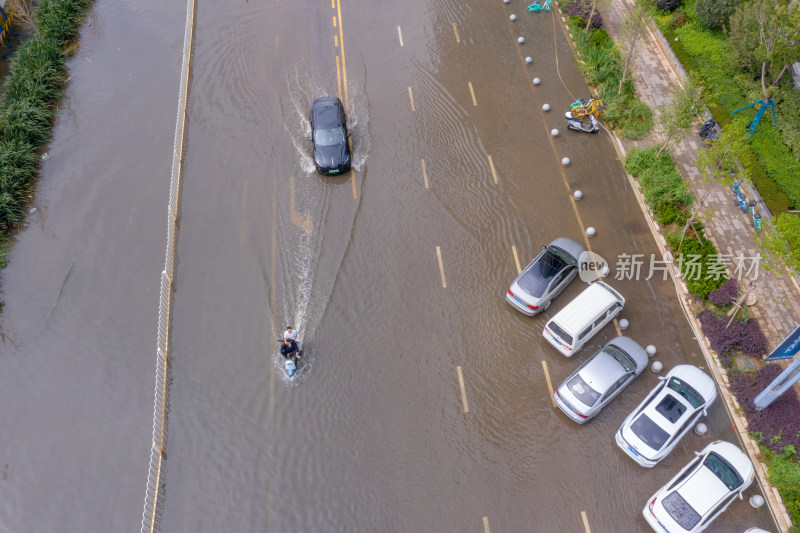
(455, 30)
(400, 34)
(472, 92)
(334, 21)
(344, 63)
(424, 173)
(441, 266)
(516, 258)
(585, 522)
(339, 76)
(463, 391)
(411, 97)
(491, 166)
(549, 383)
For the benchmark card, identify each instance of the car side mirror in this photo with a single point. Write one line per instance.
(705, 413)
(661, 378)
(311, 139)
(697, 453)
(544, 247)
(740, 496)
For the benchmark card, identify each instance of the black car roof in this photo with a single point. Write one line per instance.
(327, 112)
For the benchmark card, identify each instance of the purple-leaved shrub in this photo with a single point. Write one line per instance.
(582, 8)
(725, 295)
(778, 424)
(743, 335)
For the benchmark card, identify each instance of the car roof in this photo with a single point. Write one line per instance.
(568, 245)
(584, 307)
(703, 489)
(326, 112)
(695, 378)
(601, 371)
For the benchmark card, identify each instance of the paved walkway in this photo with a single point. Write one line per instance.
(656, 70)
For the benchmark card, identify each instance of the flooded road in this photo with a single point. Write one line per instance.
(394, 275)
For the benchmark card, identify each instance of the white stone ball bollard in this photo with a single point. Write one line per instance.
(506, 1)
(520, 40)
(536, 81)
(651, 350)
(546, 107)
(590, 231)
(701, 429)
(513, 18)
(529, 60)
(623, 324)
(565, 161)
(605, 271)
(656, 367)
(577, 195)
(554, 132)
(756, 501)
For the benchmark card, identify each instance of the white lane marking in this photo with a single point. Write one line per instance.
(424, 173)
(585, 522)
(463, 391)
(400, 34)
(516, 258)
(549, 383)
(486, 525)
(411, 97)
(441, 266)
(455, 30)
(491, 166)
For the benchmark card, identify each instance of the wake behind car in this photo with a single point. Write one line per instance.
(705, 487)
(597, 381)
(329, 136)
(653, 429)
(545, 277)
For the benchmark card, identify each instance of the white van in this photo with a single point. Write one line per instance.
(583, 317)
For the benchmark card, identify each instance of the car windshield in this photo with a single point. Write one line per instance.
(671, 408)
(332, 137)
(583, 391)
(648, 432)
(723, 471)
(536, 279)
(686, 391)
(563, 335)
(680, 511)
(621, 357)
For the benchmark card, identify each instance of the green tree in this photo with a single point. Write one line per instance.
(723, 159)
(677, 115)
(633, 27)
(714, 14)
(764, 40)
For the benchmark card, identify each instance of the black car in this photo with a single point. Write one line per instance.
(329, 135)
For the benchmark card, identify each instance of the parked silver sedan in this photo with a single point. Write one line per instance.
(597, 381)
(545, 277)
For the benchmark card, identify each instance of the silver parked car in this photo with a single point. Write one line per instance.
(597, 381)
(545, 277)
(705, 487)
(653, 429)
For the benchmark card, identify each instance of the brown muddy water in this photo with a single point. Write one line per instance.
(374, 434)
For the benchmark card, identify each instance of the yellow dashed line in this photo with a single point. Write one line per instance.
(516, 258)
(441, 266)
(549, 383)
(463, 391)
(411, 97)
(344, 62)
(339, 76)
(472, 93)
(491, 166)
(616, 326)
(424, 173)
(455, 30)
(334, 21)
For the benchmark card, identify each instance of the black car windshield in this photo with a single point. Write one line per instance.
(671, 408)
(680, 511)
(723, 471)
(560, 333)
(332, 137)
(648, 432)
(536, 279)
(621, 357)
(583, 391)
(686, 391)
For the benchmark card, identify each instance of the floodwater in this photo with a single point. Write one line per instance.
(374, 434)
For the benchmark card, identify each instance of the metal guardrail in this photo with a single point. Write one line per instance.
(154, 497)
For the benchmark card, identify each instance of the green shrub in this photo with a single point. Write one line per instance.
(714, 14)
(697, 259)
(784, 473)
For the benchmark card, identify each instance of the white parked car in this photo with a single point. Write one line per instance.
(705, 487)
(653, 429)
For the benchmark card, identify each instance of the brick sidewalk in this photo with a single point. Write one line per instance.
(656, 70)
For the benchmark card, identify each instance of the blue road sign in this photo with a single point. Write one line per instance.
(787, 349)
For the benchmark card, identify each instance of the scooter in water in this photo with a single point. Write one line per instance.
(589, 126)
(290, 364)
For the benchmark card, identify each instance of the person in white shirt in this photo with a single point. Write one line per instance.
(290, 333)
